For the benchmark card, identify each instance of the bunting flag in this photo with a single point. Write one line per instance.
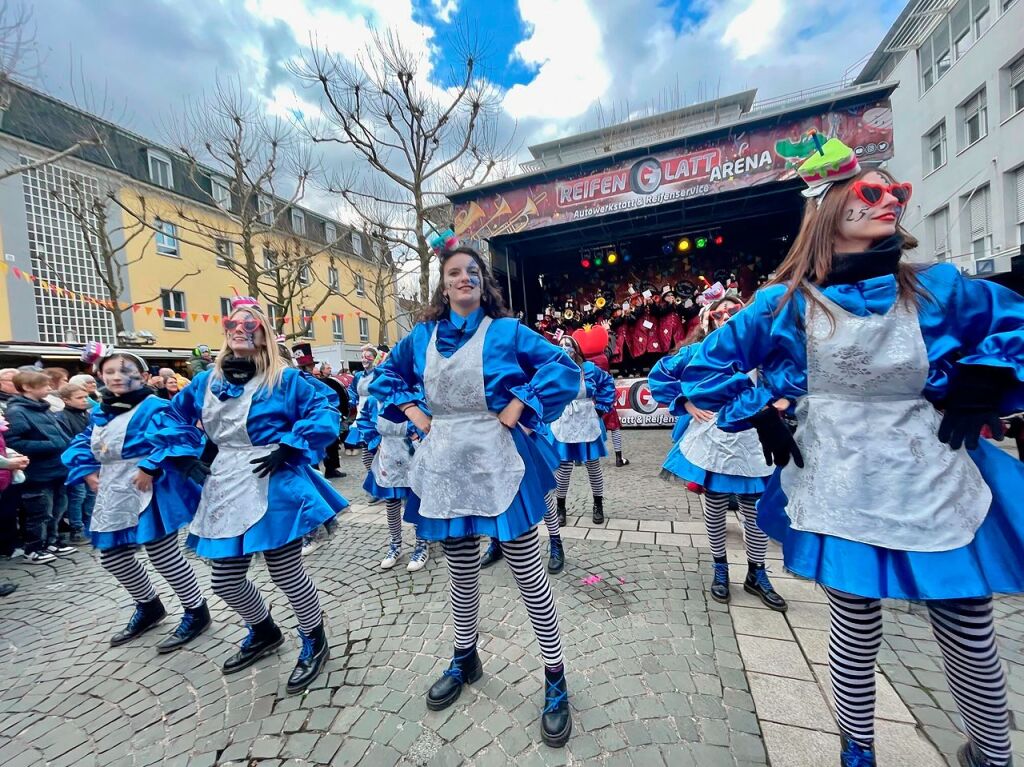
(106, 303)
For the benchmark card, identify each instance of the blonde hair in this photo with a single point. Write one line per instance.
(269, 365)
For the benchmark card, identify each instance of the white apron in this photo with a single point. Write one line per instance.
(875, 469)
(393, 458)
(234, 499)
(579, 422)
(363, 390)
(737, 454)
(118, 502)
(468, 464)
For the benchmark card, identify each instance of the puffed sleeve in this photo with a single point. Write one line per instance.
(717, 379)
(666, 379)
(353, 391)
(989, 321)
(315, 424)
(554, 378)
(395, 382)
(367, 423)
(175, 431)
(604, 390)
(79, 458)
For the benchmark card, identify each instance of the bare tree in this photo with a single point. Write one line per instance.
(107, 243)
(419, 140)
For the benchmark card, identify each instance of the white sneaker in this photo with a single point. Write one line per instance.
(392, 557)
(311, 545)
(39, 557)
(17, 553)
(419, 558)
(61, 551)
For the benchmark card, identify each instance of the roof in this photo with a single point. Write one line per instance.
(771, 110)
(63, 351)
(45, 121)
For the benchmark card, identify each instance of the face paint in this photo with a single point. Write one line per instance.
(244, 333)
(121, 376)
(474, 280)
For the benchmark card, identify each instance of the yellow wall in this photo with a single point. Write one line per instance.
(150, 271)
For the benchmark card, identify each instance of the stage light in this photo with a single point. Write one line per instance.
(719, 239)
(598, 261)
(626, 257)
(613, 257)
(585, 263)
(702, 242)
(684, 245)
(667, 248)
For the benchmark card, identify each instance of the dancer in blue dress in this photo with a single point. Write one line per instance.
(723, 464)
(136, 505)
(893, 368)
(265, 425)
(358, 392)
(488, 381)
(579, 434)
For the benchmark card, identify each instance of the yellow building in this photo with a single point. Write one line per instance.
(173, 235)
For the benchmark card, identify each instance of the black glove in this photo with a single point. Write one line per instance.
(776, 438)
(268, 464)
(972, 401)
(192, 467)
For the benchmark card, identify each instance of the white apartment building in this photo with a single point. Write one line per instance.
(959, 127)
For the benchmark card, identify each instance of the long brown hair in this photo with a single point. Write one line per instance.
(490, 294)
(699, 333)
(810, 258)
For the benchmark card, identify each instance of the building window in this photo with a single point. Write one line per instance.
(298, 222)
(305, 276)
(364, 329)
(1017, 85)
(935, 148)
(973, 120)
(360, 285)
(337, 328)
(166, 238)
(221, 192)
(269, 259)
(160, 169)
(173, 303)
(332, 278)
(1018, 183)
(330, 233)
(977, 210)
(274, 315)
(307, 324)
(951, 39)
(981, 18)
(266, 209)
(225, 307)
(225, 253)
(357, 243)
(938, 224)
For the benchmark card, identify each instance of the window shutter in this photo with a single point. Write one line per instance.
(979, 214)
(1017, 71)
(1020, 195)
(939, 232)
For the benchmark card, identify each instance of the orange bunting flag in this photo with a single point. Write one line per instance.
(3, 267)
(195, 316)
(149, 310)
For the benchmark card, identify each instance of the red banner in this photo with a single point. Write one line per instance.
(744, 158)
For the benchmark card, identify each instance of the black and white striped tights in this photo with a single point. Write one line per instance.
(524, 560)
(165, 555)
(594, 474)
(965, 633)
(716, 509)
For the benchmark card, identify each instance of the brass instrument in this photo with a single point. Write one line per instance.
(469, 217)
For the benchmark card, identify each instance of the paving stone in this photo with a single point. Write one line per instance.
(774, 656)
(798, 747)
(791, 701)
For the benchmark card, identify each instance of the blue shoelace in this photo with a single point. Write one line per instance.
(394, 551)
(557, 693)
(186, 624)
(556, 546)
(249, 637)
(492, 548)
(761, 577)
(721, 572)
(455, 669)
(855, 755)
(137, 617)
(420, 552)
(307, 647)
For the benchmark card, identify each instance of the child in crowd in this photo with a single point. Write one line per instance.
(75, 418)
(35, 432)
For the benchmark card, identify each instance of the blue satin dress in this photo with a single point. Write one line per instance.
(965, 321)
(354, 438)
(600, 387)
(518, 363)
(175, 498)
(665, 383)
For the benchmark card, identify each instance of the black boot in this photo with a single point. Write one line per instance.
(853, 754)
(556, 560)
(465, 668)
(561, 512)
(145, 617)
(720, 582)
(598, 510)
(619, 460)
(264, 637)
(193, 623)
(492, 554)
(757, 583)
(969, 755)
(555, 720)
(312, 658)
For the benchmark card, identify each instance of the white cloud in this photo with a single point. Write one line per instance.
(445, 9)
(565, 43)
(754, 30)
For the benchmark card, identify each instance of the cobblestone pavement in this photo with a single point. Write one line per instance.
(657, 673)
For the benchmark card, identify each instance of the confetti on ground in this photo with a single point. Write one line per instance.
(590, 580)
(622, 580)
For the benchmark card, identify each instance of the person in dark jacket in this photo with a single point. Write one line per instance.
(34, 432)
(75, 418)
